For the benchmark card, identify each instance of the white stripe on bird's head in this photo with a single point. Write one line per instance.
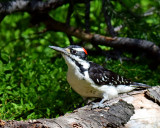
(78, 49)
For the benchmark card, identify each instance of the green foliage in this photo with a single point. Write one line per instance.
(33, 76)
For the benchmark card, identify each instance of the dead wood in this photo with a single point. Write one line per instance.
(127, 44)
(135, 109)
(36, 8)
(9, 7)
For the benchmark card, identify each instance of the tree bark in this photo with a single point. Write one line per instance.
(32, 5)
(135, 109)
(37, 8)
(128, 44)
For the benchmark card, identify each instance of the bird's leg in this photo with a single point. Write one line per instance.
(88, 100)
(100, 104)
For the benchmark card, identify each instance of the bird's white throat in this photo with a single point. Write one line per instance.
(71, 62)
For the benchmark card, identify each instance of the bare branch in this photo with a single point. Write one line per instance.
(70, 11)
(117, 42)
(28, 5)
(87, 12)
(107, 18)
(32, 5)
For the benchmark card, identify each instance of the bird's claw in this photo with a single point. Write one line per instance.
(98, 105)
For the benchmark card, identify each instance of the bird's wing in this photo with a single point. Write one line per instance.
(102, 76)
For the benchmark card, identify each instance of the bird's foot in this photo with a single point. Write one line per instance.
(98, 105)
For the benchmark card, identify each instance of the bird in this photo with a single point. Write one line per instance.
(91, 80)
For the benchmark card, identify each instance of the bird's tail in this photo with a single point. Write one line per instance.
(140, 85)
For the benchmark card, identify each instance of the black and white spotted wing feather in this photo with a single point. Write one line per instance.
(102, 76)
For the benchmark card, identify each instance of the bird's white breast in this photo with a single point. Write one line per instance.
(82, 86)
(81, 83)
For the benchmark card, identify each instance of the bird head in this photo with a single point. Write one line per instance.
(74, 52)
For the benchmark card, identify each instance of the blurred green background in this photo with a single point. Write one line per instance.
(33, 77)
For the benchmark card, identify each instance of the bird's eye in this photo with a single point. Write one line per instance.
(73, 51)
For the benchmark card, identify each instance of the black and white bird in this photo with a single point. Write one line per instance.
(89, 79)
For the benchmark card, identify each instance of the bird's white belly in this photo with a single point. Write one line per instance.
(82, 86)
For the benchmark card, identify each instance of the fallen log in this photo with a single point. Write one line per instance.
(135, 109)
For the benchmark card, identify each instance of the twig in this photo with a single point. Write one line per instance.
(70, 11)
(107, 18)
(87, 12)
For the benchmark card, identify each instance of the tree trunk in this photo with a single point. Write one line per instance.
(136, 109)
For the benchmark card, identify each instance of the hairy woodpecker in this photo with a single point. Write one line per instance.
(89, 79)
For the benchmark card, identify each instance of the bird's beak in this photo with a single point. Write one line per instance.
(61, 50)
